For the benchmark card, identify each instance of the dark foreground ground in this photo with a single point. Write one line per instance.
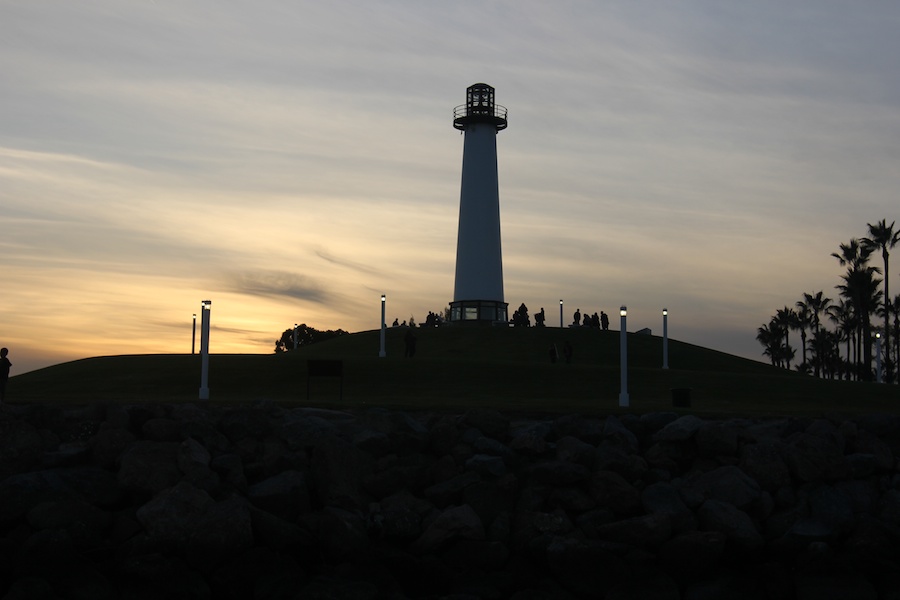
(261, 501)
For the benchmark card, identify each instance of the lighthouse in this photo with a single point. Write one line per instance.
(478, 290)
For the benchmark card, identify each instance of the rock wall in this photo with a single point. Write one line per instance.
(183, 501)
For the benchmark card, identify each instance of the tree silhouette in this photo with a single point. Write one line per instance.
(817, 304)
(860, 288)
(882, 236)
(861, 297)
(804, 322)
(843, 316)
(306, 335)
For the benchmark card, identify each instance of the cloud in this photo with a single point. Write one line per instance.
(348, 264)
(276, 284)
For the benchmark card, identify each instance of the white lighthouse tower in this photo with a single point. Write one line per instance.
(478, 292)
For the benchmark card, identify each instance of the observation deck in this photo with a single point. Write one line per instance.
(479, 108)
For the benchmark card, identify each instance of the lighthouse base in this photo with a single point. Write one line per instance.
(478, 312)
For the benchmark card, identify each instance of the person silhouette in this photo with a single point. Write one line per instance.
(4, 372)
(577, 321)
(604, 320)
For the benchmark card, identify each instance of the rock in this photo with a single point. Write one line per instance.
(174, 515)
(679, 430)
(716, 439)
(737, 526)
(230, 469)
(832, 507)
(571, 449)
(557, 472)
(663, 497)
(161, 429)
(285, 495)
(338, 470)
(642, 531)
(727, 484)
(619, 435)
(586, 429)
(487, 466)
(610, 490)
(149, 467)
(456, 523)
(108, 445)
(490, 422)
(530, 440)
(450, 491)
(21, 449)
(813, 458)
(763, 462)
(300, 431)
(239, 423)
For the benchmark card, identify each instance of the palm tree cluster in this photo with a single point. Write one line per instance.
(860, 299)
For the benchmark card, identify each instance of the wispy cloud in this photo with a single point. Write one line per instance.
(275, 284)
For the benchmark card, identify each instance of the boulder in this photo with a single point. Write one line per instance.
(455, 523)
(737, 526)
(726, 484)
(813, 458)
(285, 495)
(610, 490)
(664, 498)
(679, 430)
(149, 467)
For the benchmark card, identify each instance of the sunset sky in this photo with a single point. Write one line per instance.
(291, 161)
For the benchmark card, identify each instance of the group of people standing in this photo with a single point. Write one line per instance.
(600, 321)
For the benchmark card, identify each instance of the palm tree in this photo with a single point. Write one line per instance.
(804, 321)
(843, 316)
(787, 320)
(860, 287)
(817, 304)
(883, 236)
(771, 336)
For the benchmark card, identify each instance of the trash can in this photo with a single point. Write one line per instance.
(681, 397)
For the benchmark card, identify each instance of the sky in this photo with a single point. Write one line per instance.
(292, 161)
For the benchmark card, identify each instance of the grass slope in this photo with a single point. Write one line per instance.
(457, 368)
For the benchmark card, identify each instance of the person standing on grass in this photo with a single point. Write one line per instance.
(4, 372)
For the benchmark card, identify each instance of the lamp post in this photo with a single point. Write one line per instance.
(194, 335)
(382, 353)
(560, 314)
(665, 338)
(623, 359)
(295, 336)
(878, 357)
(205, 308)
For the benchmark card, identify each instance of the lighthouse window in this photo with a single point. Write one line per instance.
(471, 313)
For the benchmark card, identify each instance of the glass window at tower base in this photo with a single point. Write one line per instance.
(484, 312)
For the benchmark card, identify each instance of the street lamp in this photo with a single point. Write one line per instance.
(194, 335)
(205, 308)
(295, 336)
(665, 338)
(382, 353)
(623, 358)
(878, 357)
(560, 314)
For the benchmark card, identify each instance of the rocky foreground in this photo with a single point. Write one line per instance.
(184, 501)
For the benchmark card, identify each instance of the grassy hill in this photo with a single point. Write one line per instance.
(457, 368)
